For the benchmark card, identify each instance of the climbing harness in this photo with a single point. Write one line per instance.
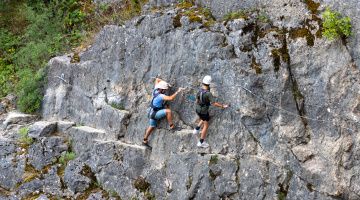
(153, 109)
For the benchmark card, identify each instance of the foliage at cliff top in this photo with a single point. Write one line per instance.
(34, 31)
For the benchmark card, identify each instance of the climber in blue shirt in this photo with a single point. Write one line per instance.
(158, 109)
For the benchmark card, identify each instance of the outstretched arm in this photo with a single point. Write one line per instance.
(217, 104)
(172, 97)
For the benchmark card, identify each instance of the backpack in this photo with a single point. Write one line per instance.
(200, 98)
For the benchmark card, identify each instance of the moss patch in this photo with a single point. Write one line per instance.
(75, 58)
(32, 196)
(213, 175)
(95, 186)
(312, 6)
(213, 160)
(310, 187)
(318, 20)
(235, 15)
(275, 53)
(141, 184)
(296, 91)
(30, 173)
(284, 187)
(176, 21)
(256, 66)
(195, 14)
(185, 4)
(119, 106)
(304, 33)
(189, 183)
(282, 52)
(249, 28)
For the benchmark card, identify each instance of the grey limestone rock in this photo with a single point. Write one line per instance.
(42, 197)
(2, 108)
(52, 183)
(83, 138)
(75, 176)
(11, 165)
(42, 129)
(32, 187)
(45, 151)
(64, 126)
(291, 130)
(18, 118)
(96, 196)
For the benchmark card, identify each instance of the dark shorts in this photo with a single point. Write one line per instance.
(204, 117)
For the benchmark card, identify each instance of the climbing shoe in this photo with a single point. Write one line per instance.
(196, 131)
(203, 145)
(146, 144)
(174, 128)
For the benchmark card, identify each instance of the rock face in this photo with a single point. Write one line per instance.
(42, 129)
(291, 131)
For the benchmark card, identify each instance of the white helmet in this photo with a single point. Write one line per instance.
(162, 85)
(207, 80)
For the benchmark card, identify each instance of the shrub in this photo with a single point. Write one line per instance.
(33, 31)
(29, 90)
(118, 106)
(8, 42)
(335, 26)
(6, 78)
(24, 138)
(66, 157)
(235, 15)
(213, 160)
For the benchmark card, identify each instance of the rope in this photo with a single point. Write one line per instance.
(286, 111)
(253, 94)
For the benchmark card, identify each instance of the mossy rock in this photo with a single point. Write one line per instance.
(141, 184)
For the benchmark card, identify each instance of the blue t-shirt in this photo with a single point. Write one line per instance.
(158, 100)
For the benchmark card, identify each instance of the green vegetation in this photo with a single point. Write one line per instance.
(335, 26)
(214, 174)
(303, 32)
(213, 160)
(30, 173)
(256, 66)
(24, 137)
(194, 13)
(29, 90)
(143, 186)
(118, 106)
(113, 193)
(282, 196)
(244, 14)
(235, 15)
(33, 31)
(312, 6)
(189, 183)
(263, 17)
(65, 158)
(185, 4)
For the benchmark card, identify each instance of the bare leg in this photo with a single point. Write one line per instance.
(204, 130)
(169, 117)
(200, 123)
(148, 133)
